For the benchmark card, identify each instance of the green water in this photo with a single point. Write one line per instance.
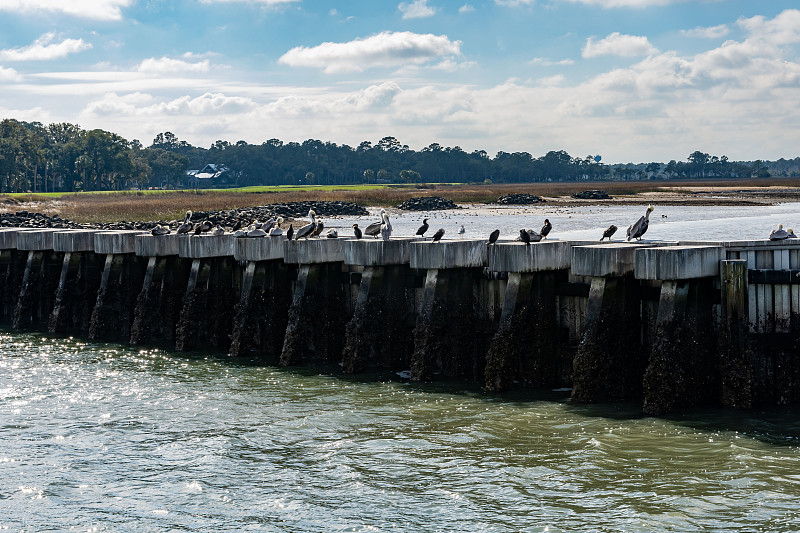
(97, 437)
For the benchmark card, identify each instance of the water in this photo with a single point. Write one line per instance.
(98, 437)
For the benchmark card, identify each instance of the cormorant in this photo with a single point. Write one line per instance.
(546, 228)
(186, 227)
(423, 228)
(493, 236)
(438, 235)
(638, 228)
(357, 231)
(159, 230)
(524, 236)
(237, 225)
(612, 229)
(779, 234)
(375, 228)
(305, 231)
(289, 233)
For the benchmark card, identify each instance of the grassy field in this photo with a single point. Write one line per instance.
(170, 205)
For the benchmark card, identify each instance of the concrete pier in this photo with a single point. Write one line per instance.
(259, 248)
(146, 245)
(534, 257)
(78, 282)
(116, 242)
(36, 240)
(78, 240)
(448, 254)
(314, 251)
(205, 246)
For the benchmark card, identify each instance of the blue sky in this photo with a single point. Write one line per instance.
(632, 80)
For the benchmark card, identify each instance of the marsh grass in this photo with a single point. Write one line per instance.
(171, 205)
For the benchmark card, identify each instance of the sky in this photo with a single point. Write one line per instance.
(630, 80)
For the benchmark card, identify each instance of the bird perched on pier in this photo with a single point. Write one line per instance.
(779, 234)
(332, 234)
(546, 228)
(438, 235)
(357, 231)
(277, 231)
(791, 234)
(289, 233)
(638, 228)
(318, 228)
(308, 229)
(386, 228)
(423, 228)
(240, 233)
(236, 226)
(159, 230)
(461, 231)
(256, 231)
(268, 225)
(524, 236)
(375, 228)
(533, 235)
(612, 229)
(218, 230)
(493, 236)
(186, 227)
(203, 227)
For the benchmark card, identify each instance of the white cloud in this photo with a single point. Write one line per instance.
(619, 45)
(606, 4)
(387, 49)
(549, 63)
(418, 9)
(333, 12)
(268, 3)
(514, 3)
(9, 74)
(44, 49)
(466, 8)
(140, 104)
(93, 9)
(167, 65)
(713, 32)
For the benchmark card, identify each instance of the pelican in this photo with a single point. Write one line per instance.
(203, 227)
(423, 228)
(375, 228)
(186, 227)
(268, 225)
(255, 231)
(276, 231)
(318, 228)
(461, 231)
(791, 234)
(332, 234)
(240, 233)
(305, 231)
(357, 231)
(533, 236)
(612, 229)
(289, 233)
(779, 234)
(386, 228)
(546, 228)
(438, 235)
(218, 230)
(525, 237)
(159, 230)
(493, 236)
(637, 229)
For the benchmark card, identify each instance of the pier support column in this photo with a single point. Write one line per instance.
(682, 370)
(610, 361)
(60, 316)
(244, 321)
(37, 290)
(12, 265)
(378, 334)
(317, 316)
(525, 350)
(736, 356)
(159, 302)
(116, 297)
(448, 337)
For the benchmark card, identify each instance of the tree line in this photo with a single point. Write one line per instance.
(64, 157)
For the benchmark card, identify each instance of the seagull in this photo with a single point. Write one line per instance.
(461, 231)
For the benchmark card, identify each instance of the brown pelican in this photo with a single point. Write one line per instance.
(423, 228)
(186, 227)
(289, 233)
(159, 230)
(240, 233)
(791, 234)
(546, 228)
(305, 231)
(218, 230)
(255, 231)
(203, 227)
(375, 228)
(268, 225)
(493, 236)
(318, 228)
(276, 231)
(386, 228)
(357, 231)
(525, 237)
(533, 236)
(332, 234)
(612, 229)
(779, 234)
(638, 228)
(438, 235)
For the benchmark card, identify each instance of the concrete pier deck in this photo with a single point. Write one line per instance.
(259, 248)
(535, 257)
(115, 242)
(147, 245)
(313, 251)
(448, 254)
(678, 262)
(206, 246)
(375, 252)
(77, 240)
(8, 237)
(606, 260)
(36, 240)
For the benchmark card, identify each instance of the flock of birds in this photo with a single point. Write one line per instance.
(383, 228)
